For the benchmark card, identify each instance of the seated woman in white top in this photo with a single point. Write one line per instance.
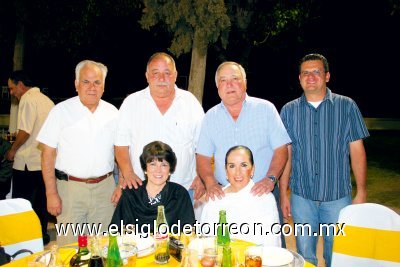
(250, 217)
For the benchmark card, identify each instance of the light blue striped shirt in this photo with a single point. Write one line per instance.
(320, 145)
(258, 127)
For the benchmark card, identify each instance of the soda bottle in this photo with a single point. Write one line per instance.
(82, 257)
(223, 238)
(226, 256)
(113, 255)
(161, 237)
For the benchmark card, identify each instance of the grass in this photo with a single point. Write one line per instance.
(383, 156)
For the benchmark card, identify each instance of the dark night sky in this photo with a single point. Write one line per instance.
(359, 39)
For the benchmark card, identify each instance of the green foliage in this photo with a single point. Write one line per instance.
(259, 20)
(204, 21)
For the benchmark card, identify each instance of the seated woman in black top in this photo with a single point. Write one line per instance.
(139, 206)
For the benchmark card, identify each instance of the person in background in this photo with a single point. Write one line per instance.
(241, 119)
(242, 207)
(139, 206)
(78, 153)
(5, 169)
(162, 112)
(327, 130)
(33, 109)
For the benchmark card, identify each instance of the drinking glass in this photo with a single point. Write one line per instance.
(253, 256)
(128, 254)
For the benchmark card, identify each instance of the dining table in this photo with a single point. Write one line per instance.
(66, 253)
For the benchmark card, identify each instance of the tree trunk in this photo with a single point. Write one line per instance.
(19, 47)
(18, 58)
(198, 69)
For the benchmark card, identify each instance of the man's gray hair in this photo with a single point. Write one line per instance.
(160, 55)
(242, 71)
(83, 63)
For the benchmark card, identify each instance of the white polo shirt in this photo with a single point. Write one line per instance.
(32, 112)
(84, 140)
(141, 122)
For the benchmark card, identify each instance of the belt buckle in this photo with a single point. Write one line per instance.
(92, 180)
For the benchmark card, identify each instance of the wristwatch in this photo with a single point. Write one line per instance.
(272, 178)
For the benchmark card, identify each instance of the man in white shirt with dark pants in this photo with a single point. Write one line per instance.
(27, 176)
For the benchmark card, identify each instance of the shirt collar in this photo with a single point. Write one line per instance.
(178, 93)
(328, 96)
(29, 91)
(246, 99)
(86, 108)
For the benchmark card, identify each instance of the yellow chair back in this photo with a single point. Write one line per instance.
(20, 226)
(370, 237)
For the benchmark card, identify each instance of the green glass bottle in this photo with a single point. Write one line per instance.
(113, 256)
(82, 257)
(226, 256)
(223, 238)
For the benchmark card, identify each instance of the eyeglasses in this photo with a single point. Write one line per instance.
(314, 72)
(96, 83)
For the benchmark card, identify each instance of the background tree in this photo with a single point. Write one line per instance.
(194, 24)
(197, 24)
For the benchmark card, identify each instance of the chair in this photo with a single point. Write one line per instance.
(371, 237)
(20, 227)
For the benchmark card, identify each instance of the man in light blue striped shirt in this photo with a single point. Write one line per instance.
(241, 120)
(327, 130)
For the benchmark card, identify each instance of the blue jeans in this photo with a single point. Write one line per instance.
(315, 213)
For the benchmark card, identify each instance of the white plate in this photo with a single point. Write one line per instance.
(276, 256)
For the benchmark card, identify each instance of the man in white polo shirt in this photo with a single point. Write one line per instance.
(160, 112)
(78, 153)
(27, 176)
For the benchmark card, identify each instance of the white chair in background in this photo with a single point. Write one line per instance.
(19, 227)
(372, 237)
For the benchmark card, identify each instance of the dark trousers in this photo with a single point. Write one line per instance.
(30, 186)
(276, 194)
(5, 188)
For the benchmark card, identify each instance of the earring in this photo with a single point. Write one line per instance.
(145, 172)
(251, 176)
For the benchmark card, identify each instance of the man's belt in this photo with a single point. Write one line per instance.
(94, 180)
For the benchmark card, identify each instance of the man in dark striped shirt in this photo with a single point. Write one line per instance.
(327, 132)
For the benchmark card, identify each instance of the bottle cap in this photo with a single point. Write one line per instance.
(82, 241)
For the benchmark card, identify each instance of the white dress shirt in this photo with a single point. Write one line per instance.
(32, 112)
(243, 208)
(141, 122)
(84, 140)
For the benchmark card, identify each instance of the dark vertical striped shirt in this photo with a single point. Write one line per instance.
(321, 140)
